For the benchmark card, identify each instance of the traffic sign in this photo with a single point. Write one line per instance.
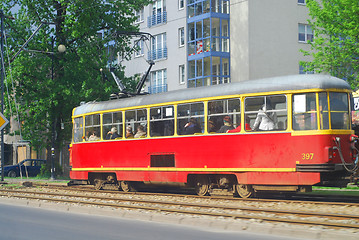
(3, 121)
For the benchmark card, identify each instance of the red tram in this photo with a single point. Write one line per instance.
(297, 134)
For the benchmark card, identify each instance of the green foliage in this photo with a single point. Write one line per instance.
(49, 84)
(45, 171)
(335, 48)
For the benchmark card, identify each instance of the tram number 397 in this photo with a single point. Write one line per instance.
(307, 156)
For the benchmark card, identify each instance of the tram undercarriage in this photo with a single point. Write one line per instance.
(203, 184)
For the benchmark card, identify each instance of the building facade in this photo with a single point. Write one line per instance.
(208, 42)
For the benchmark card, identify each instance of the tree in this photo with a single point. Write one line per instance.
(48, 84)
(335, 48)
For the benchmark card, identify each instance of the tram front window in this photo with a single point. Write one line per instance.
(339, 110)
(334, 115)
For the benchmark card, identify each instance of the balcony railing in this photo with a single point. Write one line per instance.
(157, 19)
(157, 88)
(157, 54)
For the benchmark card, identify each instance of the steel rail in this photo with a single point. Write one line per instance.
(16, 193)
(89, 189)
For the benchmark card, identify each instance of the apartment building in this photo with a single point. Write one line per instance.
(207, 42)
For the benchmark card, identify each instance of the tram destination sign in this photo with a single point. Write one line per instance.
(3, 121)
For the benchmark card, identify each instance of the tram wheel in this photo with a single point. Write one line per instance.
(244, 191)
(127, 186)
(99, 184)
(202, 186)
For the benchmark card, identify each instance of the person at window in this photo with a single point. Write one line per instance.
(112, 134)
(212, 126)
(300, 123)
(227, 125)
(265, 120)
(94, 136)
(129, 133)
(140, 132)
(238, 129)
(192, 127)
(87, 135)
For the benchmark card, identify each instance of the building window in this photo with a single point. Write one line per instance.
(208, 71)
(225, 6)
(139, 16)
(139, 48)
(158, 81)
(305, 33)
(301, 2)
(182, 74)
(181, 37)
(208, 42)
(159, 14)
(302, 69)
(209, 34)
(158, 47)
(180, 4)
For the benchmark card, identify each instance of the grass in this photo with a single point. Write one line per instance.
(350, 190)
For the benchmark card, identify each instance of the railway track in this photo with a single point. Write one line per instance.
(337, 201)
(184, 206)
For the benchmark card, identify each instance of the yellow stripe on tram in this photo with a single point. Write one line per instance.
(164, 169)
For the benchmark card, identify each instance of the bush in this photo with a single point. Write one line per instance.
(45, 171)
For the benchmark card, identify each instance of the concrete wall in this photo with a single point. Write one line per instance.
(269, 38)
(239, 42)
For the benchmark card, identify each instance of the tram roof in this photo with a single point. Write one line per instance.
(283, 83)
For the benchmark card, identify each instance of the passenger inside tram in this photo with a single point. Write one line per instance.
(227, 125)
(192, 127)
(112, 134)
(140, 132)
(129, 133)
(93, 136)
(266, 119)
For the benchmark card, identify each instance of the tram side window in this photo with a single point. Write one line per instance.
(162, 121)
(78, 129)
(223, 115)
(92, 127)
(136, 123)
(190, 118)
(305, 111)
(112, 126)
(339, 110)
(267, 113)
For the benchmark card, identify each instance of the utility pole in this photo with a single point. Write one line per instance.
(52, 177)
(2, 92)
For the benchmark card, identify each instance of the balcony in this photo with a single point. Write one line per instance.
(157, 54)
(156, 19)
(157, 88)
